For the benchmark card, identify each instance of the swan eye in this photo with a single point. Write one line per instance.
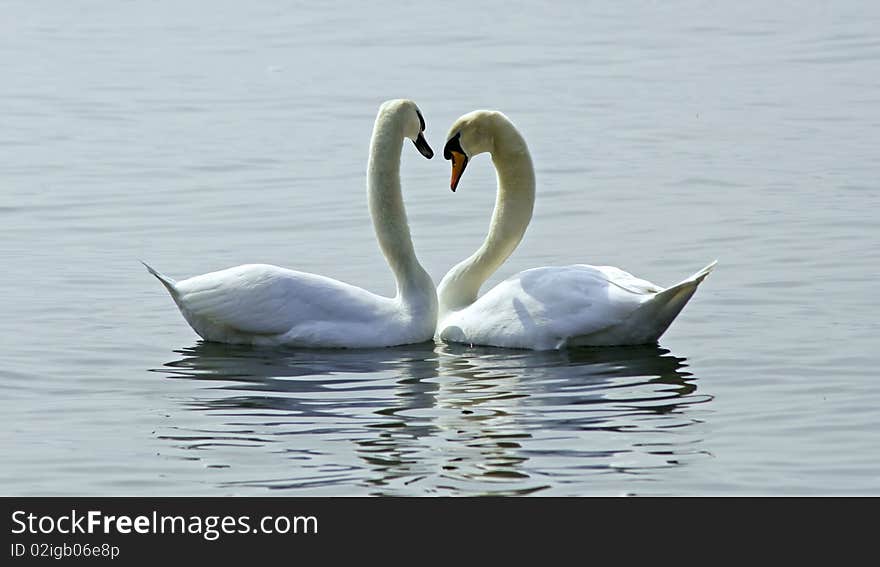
(453, 145)
(421, 121)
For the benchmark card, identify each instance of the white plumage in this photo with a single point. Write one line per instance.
(580, 305)
(267, 305)
(542, 308)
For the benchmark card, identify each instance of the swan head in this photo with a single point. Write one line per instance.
(472, 134)
(412, 122)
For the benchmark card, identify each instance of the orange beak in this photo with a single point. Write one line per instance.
(459, 162)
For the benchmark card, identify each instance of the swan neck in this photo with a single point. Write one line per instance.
(514, 203)
(414, 285)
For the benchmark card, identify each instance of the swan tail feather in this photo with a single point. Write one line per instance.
(169, 283)
(699, 276)
(664, 307)
(650, 320)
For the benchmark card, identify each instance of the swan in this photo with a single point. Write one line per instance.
(261, 304)
(541, 308)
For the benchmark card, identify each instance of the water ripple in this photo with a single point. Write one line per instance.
(434, 419)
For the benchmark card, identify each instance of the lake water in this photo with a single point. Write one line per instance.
(198, 136)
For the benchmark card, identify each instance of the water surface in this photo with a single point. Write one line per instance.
(199, 136)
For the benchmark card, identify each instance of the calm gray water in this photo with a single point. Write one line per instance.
(198, 136)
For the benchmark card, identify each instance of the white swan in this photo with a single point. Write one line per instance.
(542, 308)
(267, 305)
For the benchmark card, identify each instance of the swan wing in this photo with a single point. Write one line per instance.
(268, 300)
(620, 278)
(542, 308)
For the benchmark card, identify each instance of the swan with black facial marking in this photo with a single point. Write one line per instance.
(261, 304)
(541, 308)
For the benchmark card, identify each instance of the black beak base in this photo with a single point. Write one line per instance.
(423, 147)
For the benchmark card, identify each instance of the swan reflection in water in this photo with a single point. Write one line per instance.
(438, 419)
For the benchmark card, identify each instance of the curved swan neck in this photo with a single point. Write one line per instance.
(388, 212)
(514, 203)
